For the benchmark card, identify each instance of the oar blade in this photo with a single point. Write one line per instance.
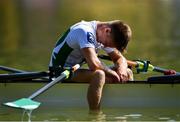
(24, 103)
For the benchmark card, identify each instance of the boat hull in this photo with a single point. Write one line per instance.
(73, 95)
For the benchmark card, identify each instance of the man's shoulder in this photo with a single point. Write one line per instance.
(86, 26)
(83, 31)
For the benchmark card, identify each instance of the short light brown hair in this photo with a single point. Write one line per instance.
(121, 34)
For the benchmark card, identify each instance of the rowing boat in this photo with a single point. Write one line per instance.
(132, 94)
(158, 91)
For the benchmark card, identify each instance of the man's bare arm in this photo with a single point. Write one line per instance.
(94, 63)
(120, 64)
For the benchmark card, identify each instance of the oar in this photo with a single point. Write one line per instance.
(28, 103)
(144, 66)
(23, 75)
(166, 79)
(9, 69)
(17, 74)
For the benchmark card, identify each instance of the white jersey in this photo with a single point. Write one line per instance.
(67, 51)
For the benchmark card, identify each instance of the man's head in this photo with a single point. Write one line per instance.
(114, 34)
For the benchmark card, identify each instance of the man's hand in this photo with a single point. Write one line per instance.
(112, 76)
(123, 75)
(121, 70)
(120, 65)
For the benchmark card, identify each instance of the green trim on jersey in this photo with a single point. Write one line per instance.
(62, 37)
(62, 55)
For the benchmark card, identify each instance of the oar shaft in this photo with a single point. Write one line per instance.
(23, 75)
(162, 70)
(130, 63)
(9, 69)
(142, 66)
(158, 69)
(46, 87)
(64, 75)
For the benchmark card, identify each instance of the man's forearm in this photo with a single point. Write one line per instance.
(108, 71)
(121, 62)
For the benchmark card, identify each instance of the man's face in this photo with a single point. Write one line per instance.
(107, 39)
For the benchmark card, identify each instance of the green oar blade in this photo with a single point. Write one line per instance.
(24, 103)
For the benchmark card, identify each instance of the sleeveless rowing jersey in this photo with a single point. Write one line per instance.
(67, 51)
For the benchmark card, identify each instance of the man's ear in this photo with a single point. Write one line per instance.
(108, 30)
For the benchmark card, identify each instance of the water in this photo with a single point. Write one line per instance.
(28, 113)
(138, 102)
(29, 30)
(107, 114)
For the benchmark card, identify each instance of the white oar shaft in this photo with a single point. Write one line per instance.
(46, 87)
(64, 75)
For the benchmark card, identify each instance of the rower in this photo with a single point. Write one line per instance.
(83, 40)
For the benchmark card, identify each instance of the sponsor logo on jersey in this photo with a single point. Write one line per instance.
(90, 38)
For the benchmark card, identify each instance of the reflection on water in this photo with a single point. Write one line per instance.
(108, 114)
